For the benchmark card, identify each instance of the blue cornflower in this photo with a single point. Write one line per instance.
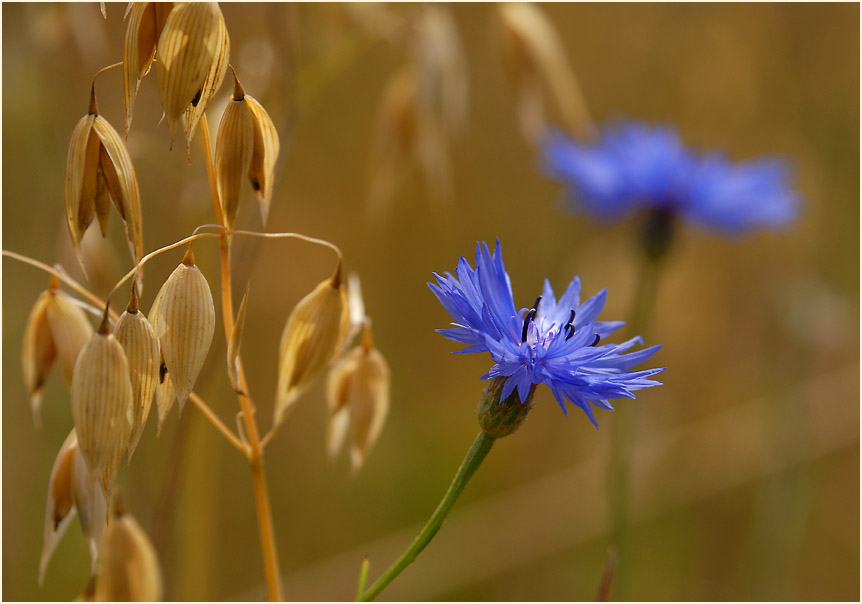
(555, 341)
(634, 166)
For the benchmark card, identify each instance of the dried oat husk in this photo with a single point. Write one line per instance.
(357, 388)
(101, 398)
(312, 336)
(57, 329)
(145, 23)
(165, 395)
(134, 332)
(193, 52)
(261, 172)
(99, 168)
(535, 57)
(233, 152)
(71, 491)
(183, 319)
(129, 567)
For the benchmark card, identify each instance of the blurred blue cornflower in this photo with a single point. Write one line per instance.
(556, 341)
(635, 166)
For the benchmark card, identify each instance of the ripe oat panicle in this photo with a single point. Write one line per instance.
(139, 341)
(57, 329)
(312, 336)
(183, 320)
(145, 23)
(193, 52)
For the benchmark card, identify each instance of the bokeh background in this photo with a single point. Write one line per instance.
(746, 460)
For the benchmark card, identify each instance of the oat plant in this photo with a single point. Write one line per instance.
(116, 370)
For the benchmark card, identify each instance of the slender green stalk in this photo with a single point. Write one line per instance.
(474, 457)
(363, 577)
(622, 437)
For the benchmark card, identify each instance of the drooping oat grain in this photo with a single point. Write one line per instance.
(129, 567)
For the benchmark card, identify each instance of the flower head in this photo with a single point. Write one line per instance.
(635, 166)
(558, 342)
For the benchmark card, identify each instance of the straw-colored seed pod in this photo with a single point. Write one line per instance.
(71, 491)
(129, 567)
(233, 152)
(218, 68)
(145, 23)
(183, 319)
(261, 172)
(101, 398)
(312, 335)
(191, 51)
(56, 329)
(357, 386)
(165, 395)
(98, 168)
(139, 341)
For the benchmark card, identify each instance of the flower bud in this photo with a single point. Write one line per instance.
(312, 335)
(128, 567)
(101, 398)
(500, 418)
(183, 320)
(134, 332)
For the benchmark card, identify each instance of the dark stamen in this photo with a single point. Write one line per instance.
(531, 314)
(570, 331)
(596, 341)
(536, 304)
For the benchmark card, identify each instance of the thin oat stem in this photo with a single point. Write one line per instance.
(214, 419)
(299, 236)
(255, 451)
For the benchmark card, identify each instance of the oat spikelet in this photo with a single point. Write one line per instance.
(145, 23)
(311, 337)
(537, 61)
(99, 168)
(165, 395)
(71, 491)
(191, 50)
(134, 332)
(193, 112)
(183, 319)
(357, 387)
(129, 567)
(233, 152)
(261, 172)
(101, 398)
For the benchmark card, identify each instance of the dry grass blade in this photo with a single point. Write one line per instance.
(233, 152)
(129, 567)
(134, 332)
(234, 343)
(37, 353)
(311, 337)
(190, 44)
(261, 173)
(145, 23)
(101, 399)
(184, 322)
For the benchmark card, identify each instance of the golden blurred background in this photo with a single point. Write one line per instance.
(746, 465)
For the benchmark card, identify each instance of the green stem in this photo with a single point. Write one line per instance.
(474, 457)
(622, 437)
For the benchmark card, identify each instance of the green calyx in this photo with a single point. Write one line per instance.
(500, 418)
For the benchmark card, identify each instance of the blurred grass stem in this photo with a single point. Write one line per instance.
(480, 448)
(623, 433)
(255, 451)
